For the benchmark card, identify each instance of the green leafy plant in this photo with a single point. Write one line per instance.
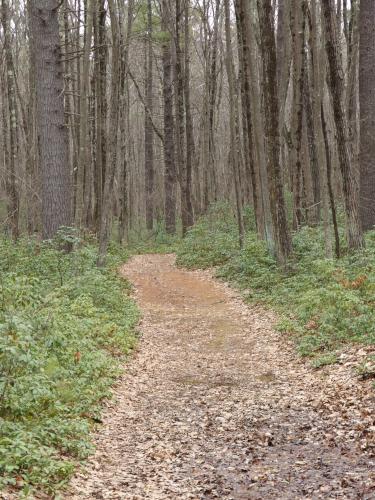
(65, 328)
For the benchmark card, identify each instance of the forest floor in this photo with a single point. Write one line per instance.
(215, 404)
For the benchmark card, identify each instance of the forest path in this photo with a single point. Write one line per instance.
(215, 406)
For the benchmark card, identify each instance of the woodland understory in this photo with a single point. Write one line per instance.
(237, 135)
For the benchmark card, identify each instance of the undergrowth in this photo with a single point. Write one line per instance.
(65, 327)
(324, 303)
(157, 241)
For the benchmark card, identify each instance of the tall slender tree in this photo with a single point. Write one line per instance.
(149, 132)
(346, 158)
(106, 215)
(169, 128)
(190, 144)
(234, 153)
(11, 181)
(271, 109)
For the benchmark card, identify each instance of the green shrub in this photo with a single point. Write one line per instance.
(157, 241)
(212, 241)
(65, 326)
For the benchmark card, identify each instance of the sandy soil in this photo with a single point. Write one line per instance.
(216, 405)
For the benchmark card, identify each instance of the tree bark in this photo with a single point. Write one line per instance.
(233, 120)
(84, 163)
(11, 183)
(106, 216)
(367, 112)
(149, 131)
(100, 68)
(169, 125)
(52, 134)
(336, 84)
(297, 21)
(318, 84)
(278, 211)
(124, 124)
(186, 206)
(190, 145)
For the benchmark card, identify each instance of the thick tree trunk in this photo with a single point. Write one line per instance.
(367, 112)
(52, 133)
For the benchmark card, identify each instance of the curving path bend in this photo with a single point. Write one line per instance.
(215, 405)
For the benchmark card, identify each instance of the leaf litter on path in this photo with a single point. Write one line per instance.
(215, 404)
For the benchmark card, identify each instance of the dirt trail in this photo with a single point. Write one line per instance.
(215, 406)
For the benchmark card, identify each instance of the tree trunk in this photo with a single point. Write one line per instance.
(367, 112)
(318, 80)
(283, 56)
(297, 21)
(233, 120)
(11, 184)
(169, 132)
(212, 96)
(186, 207)
(149, 131)
(254, 104)
(314, 212)
(52, 133)
(251, 185)
(190, 145)
(106, 216)
(100, 68)
(268, 51)
(330, 184)
(336, 83)
(84, 144)
(124, 124)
